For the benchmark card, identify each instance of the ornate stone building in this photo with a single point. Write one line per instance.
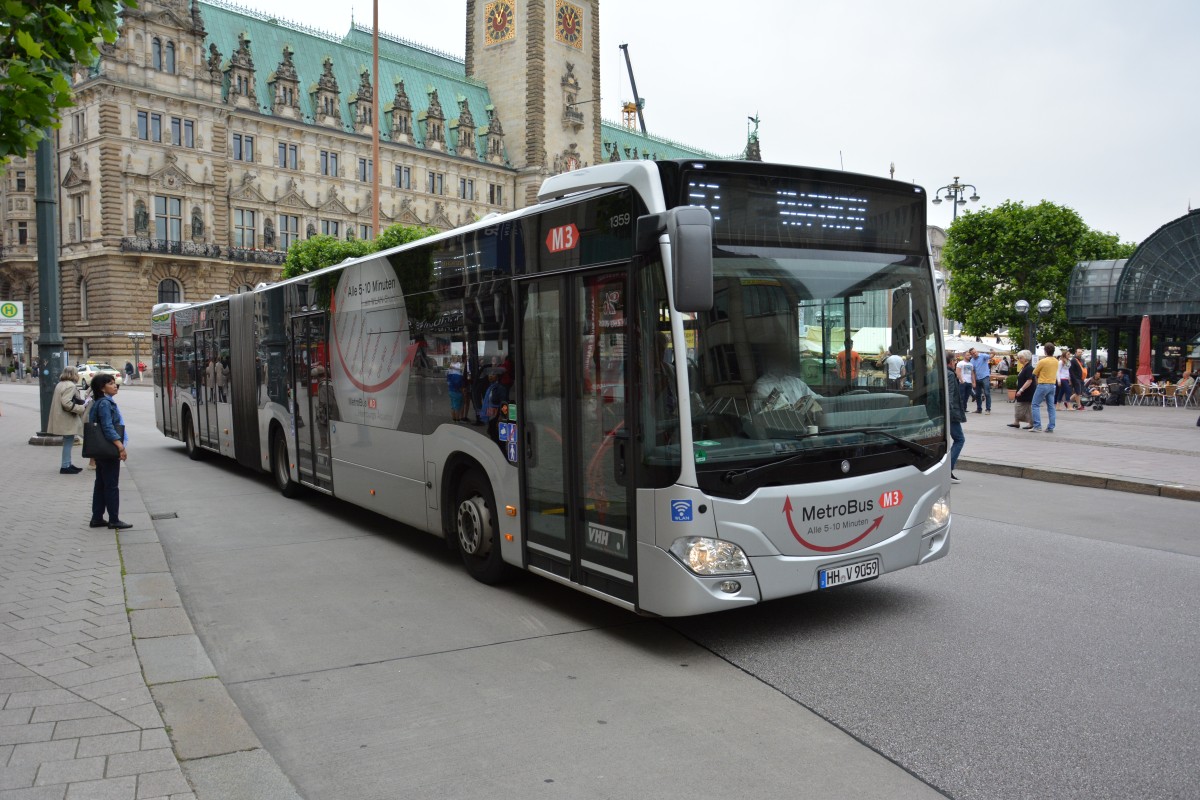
(209, 138)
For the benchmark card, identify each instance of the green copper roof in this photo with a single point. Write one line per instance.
(634, 144)
(421, 69)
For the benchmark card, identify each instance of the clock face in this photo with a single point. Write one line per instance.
(498, 22)
(568, 24)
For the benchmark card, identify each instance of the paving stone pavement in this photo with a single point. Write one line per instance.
(77, 720)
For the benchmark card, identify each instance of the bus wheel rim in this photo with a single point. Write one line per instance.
(473, 526)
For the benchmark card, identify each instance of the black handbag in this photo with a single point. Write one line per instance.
(94, 443)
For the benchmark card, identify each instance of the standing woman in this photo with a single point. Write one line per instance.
(105, 494)
(66, 416)
(1062, 394)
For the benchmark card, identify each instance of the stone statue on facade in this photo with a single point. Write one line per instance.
(197, 224)
(141, 219)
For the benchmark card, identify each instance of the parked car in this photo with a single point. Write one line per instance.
(92, 369)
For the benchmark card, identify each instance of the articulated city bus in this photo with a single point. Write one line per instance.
(679, 386)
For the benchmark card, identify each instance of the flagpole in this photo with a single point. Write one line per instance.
(375, 121)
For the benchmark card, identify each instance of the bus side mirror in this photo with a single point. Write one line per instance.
(690, 230)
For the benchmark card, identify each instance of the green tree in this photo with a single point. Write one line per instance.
(1018, 252)
(40, 42)
(310, 255)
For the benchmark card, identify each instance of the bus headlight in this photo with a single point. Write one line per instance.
(939, 514)
(705, 556)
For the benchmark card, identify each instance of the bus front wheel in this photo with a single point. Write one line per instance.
(281, 467)
(476, 528)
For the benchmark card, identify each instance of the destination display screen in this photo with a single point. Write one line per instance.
(804, 211)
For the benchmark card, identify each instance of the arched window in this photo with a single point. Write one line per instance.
(171, 57)
(156, 53)
(83, 299)
(169, 291)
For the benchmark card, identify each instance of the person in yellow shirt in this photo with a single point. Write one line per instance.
(1046, 375)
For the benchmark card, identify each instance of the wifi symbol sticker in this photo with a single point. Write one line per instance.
(681, 510)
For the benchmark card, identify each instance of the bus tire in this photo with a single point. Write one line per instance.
(190, 445)
(281, 467)
(476, 529)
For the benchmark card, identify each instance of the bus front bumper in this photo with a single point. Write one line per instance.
(667, 588)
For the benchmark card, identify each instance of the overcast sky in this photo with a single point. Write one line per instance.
(1089, 104)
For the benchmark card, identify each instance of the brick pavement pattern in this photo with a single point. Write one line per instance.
(77, 721)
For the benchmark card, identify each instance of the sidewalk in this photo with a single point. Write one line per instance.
(96, 649)
(1142, 449)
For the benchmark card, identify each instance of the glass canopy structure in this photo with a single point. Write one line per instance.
(1160, 280)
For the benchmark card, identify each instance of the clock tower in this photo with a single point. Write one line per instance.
(540, 60)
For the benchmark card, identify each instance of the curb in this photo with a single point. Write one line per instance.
(1092, 480)
(217, 750)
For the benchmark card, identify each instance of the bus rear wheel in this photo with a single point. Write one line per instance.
(477, 529)
(281, 467)
(189, 441)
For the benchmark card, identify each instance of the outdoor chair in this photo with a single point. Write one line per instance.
(1137, 394)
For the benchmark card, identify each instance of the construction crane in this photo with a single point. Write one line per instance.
(638, 102)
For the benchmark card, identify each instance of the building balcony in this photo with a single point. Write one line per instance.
(138, 244)
(269, 257)
(11, 251)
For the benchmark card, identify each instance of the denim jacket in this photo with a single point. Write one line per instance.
(106, 414)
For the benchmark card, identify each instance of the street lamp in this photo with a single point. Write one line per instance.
(137, 360)
(1022, 308)
(956, 193)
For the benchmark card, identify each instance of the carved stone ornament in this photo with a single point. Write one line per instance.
(327, 82)
(465, 118)
(286, 70)
(435, 106)
(214, 64)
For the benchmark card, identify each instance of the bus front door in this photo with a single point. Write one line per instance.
(310, 373)
(573, 430)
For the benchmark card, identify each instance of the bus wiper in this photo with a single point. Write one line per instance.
(919, 449)
(735, 476)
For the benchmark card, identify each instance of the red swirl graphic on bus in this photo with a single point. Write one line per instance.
(787, 512)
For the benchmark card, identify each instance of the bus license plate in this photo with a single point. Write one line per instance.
(849, 573)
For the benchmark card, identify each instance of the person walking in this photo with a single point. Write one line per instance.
(1046, 374)
(981, 364)
(1025, 388)
(66, 417)
(106, 493)
(956, 415)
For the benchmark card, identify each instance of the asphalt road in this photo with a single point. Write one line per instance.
(1053, 655)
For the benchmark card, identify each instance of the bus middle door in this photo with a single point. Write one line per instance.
(205, 355)
(311, 388)
(573, 429)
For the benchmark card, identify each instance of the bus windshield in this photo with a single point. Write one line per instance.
(810, 357)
